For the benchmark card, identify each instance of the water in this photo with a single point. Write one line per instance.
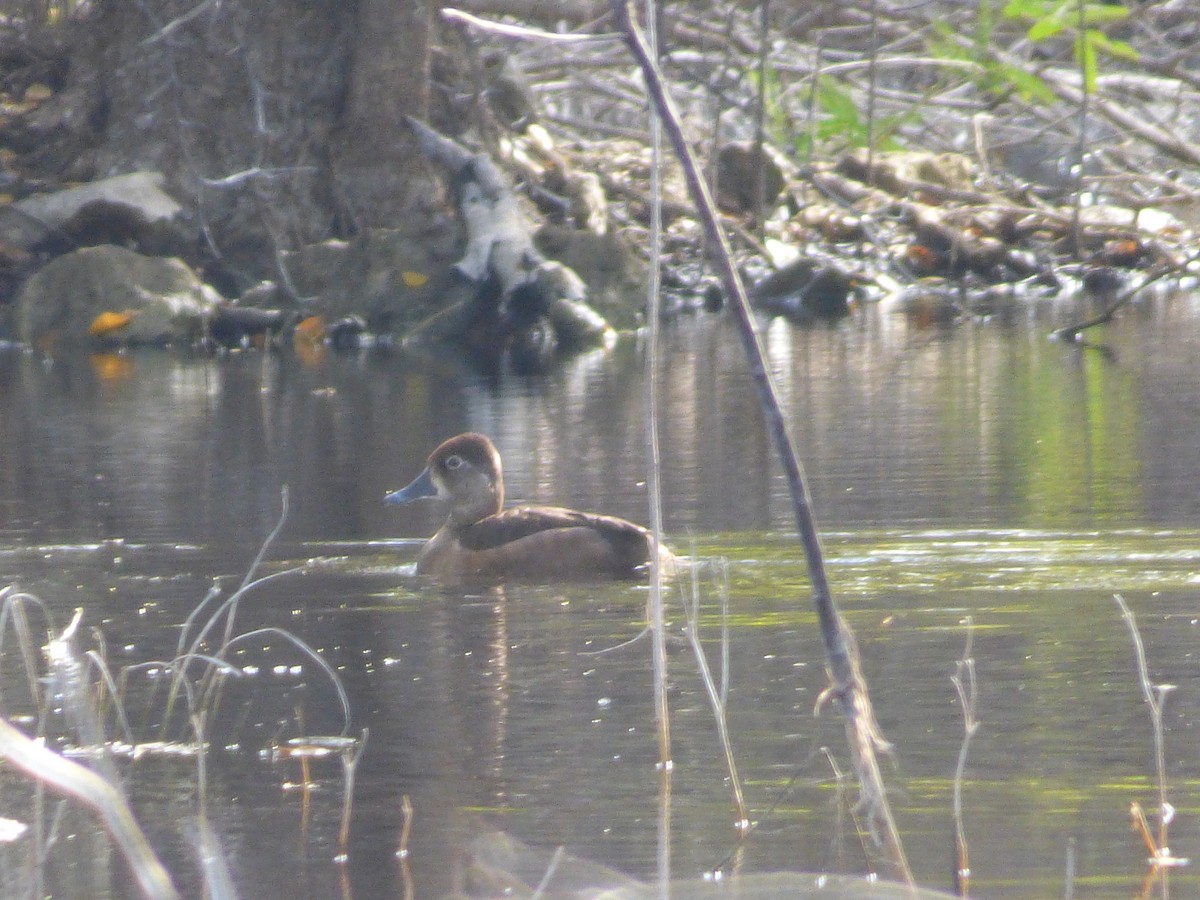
(982, 473)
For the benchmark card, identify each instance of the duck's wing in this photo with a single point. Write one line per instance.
(522, 522)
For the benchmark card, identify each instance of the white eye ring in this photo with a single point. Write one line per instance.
(454, 462)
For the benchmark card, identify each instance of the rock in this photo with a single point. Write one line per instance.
(905, 171)
(805, 289)
(156, 300)
(141, 191)
(739, 170)
(615, 276)
(235, 326)
(131, 210)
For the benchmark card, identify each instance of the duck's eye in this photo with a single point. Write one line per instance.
(453, 462)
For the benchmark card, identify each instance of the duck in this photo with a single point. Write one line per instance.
(482, 541)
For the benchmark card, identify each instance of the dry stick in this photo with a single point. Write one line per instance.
(658, 639)
(1085, 97)
(849, 686)
(350, 759)
(691, 608)
(1154, 695)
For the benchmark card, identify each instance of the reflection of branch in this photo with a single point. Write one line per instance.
(170, 28)
(848, 684)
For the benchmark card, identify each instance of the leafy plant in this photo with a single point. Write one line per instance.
(836, 116)
(996, 77)
(1083, 18)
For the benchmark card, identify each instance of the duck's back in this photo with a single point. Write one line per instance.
(540, 542)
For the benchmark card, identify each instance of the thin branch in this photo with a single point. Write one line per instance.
(522, 32)
(849, 685)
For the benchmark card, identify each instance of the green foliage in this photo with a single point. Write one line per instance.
(837, 117)
(776, 121)
(1050, 18)
(997, 77)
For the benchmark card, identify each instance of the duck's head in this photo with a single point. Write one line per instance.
(464, 471)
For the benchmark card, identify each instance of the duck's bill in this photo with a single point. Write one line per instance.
(421, 487)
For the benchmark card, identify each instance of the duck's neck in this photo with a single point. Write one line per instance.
(469, 510)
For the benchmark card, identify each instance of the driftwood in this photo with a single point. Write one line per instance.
(506, 297)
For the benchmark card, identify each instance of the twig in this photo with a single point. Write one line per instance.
(350, 759)
(176, 23)
(849, 685)
(720, 712)
(523, 32)
(238, 178)
(1070, 332)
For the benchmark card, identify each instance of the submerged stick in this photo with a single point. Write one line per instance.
(691, 608)
(967, 689)
(849, 686)
(350, 760)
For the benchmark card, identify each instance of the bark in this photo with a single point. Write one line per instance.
(379, 165)
(279, 123)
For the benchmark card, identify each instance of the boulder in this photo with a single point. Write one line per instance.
(112, 294)
(747, 175)
(125, 209)
(614, 274)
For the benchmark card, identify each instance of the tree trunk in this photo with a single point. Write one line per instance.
(279, 124)
(380, 170)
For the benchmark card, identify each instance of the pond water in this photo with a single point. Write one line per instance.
(980, 473)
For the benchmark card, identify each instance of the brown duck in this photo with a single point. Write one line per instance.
(483, 541)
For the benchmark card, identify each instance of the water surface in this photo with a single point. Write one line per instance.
(982, 473)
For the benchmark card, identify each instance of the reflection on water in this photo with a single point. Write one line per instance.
(984, 472)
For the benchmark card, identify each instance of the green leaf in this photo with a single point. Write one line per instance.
(1102, 14)
(1115, 47)
(1045, 28)
(1028, 85)
(1025, 9)
(1085, 48)
(836, 100)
